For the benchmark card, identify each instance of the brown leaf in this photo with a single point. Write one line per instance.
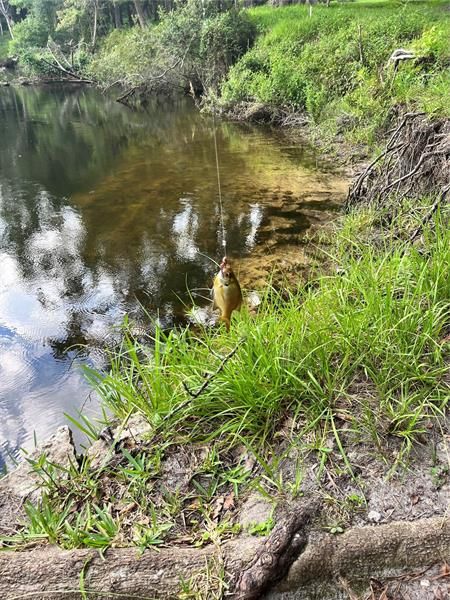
(194, 505)
(229, 501)
(445, 570)
(415, 499)
(128, 508)
(344, 417)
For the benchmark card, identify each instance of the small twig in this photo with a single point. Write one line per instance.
(356, 188)
(204, 384)
(346, 587)
(127, 94)
(210, 377)
(111, 85)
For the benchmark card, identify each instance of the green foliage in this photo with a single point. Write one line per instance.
(29, 33)
(336, 63)
(124, 55)
(188, 44)
(4, 46)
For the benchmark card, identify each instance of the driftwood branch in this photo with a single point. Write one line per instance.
(127, 94)
(75, 76)
(400, 55)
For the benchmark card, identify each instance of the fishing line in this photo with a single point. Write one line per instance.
(224, 241)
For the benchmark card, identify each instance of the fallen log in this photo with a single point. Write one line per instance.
(363, 553)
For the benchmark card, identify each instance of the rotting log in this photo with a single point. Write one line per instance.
(355, 556)
(122, 572)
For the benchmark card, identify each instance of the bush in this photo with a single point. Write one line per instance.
(187, 44)
(124, 55)
(29, 33)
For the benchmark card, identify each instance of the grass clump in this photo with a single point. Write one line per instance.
(377, 323)
(335, 66)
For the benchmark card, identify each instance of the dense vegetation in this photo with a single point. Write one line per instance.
(136, 41)
(336, 67)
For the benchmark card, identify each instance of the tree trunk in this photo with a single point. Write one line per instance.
(117, 16)
(140, 12)
(5, 13)
(154, 10)
(94, 27)
(129, 15)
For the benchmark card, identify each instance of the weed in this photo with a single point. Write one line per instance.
(263, 528)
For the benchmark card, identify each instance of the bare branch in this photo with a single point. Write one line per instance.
(208, 380)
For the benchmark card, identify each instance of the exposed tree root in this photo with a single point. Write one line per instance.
(349, 560)
(273, 559)
(415, 162)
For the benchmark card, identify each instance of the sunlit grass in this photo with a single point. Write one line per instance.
(378, 322)
(334, 66)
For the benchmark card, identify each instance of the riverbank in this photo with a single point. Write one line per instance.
(303, 409)
(346, 71)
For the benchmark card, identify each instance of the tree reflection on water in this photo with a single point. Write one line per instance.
(103, 210)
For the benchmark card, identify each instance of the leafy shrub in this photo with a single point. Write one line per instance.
(28, 34)
(125, 55)
(189, 44)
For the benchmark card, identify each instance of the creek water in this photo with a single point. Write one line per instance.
(106, 211)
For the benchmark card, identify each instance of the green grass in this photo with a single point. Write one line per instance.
(360, 357)
(335, 67)
(378, 324)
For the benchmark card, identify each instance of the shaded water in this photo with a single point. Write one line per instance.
(103, 210)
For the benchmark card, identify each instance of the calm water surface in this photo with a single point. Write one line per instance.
(104, 211)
